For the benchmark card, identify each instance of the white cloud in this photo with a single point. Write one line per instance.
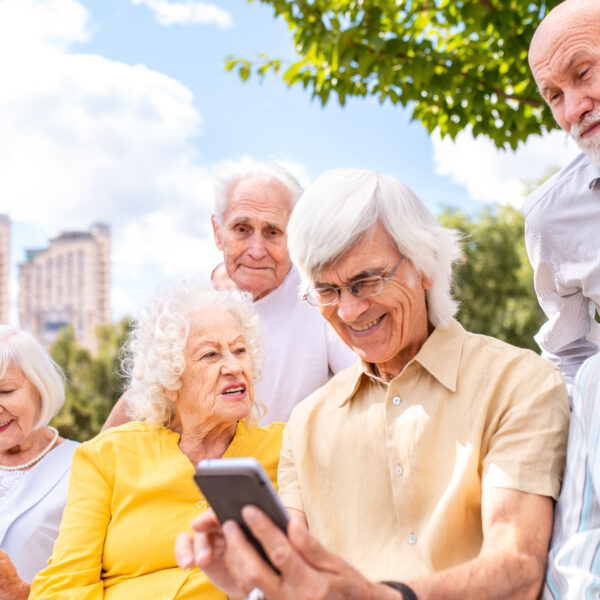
(501, 176)
(88, 139)
(190, 12)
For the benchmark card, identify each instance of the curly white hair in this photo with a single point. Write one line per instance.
(155, 359)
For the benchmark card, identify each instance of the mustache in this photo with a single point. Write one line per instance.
(590, 118)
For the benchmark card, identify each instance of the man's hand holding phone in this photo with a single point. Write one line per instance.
(206, 549)
(297, 567)
(307, 570)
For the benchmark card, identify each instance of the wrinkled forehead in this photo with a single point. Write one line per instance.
(572, 25)
(371, 253)
(259, 198)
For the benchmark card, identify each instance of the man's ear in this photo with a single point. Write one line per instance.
(216, 231)
(427, 283)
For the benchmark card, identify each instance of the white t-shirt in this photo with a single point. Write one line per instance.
(300, 349)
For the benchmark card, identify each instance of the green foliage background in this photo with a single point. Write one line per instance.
(495, 281)
(93, 383)
(456, 63)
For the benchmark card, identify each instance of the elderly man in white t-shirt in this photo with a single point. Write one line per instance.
(253, 203)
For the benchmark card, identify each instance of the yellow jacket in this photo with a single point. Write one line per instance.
(131, 493)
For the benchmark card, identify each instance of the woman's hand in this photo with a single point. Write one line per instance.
(205, 549)
(12, 587)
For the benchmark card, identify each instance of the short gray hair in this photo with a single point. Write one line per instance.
(343, 204)
(155, 359)
(20, 349)
(226, 181)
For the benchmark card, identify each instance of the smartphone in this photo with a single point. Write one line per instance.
(229, 484)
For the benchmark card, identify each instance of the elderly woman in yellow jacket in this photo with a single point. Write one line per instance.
(192, 360)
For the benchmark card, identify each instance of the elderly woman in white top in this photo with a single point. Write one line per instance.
(34, 460)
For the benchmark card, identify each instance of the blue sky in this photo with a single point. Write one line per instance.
(121, 111)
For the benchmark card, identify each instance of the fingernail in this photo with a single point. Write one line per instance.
(228, 527)
(250, 514)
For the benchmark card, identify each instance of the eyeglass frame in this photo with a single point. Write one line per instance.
(339, 288)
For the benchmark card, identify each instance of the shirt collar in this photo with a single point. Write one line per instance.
(594, 182)
(439, 355)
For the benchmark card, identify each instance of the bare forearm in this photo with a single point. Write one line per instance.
(495, 576)
(16, 590)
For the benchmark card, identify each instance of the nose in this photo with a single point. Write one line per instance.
(231, 364)
(349, 307)
(577, 104)
(256, 247)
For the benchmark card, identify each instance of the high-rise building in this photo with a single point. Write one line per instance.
(4, 267)
(67, 283)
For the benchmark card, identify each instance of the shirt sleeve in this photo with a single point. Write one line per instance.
(563, 338)
(75, 568)
(575, 551)
(587, 408)
(528, 430)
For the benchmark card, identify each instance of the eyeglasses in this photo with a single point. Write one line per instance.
(361, 288)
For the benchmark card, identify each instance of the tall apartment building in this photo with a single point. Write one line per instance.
(4, 267)
(67, 283)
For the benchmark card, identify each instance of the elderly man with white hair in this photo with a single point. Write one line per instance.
(562, 225)
(562, 217)
(253, 203)
(428, 469)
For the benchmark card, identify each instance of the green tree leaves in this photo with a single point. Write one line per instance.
(495, 282)
(93, 384)
(456, 63)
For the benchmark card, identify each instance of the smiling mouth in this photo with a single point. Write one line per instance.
(368, 325)
(234, 391)
(590, 130)
(5, 425)
(255, 266)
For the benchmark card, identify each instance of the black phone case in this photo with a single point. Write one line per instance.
(228, 492)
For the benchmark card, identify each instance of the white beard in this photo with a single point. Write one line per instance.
(590, 146)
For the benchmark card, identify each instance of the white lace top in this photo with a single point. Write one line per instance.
(8, 480)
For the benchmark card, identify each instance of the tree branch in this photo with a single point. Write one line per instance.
(521, 99)
(488, 5)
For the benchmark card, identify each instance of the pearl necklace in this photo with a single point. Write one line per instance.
(35, 459)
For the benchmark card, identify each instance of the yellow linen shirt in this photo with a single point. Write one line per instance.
(131, 493)
(390, 476)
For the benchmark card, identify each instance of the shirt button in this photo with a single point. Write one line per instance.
(399, 470)
(412, 538)
(396, 400)
(201, 504)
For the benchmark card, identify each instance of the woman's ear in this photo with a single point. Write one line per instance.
(172, 395)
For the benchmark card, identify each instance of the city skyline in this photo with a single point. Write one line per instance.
(67, 283)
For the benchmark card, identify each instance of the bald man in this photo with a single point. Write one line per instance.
(562, 218)
(563, 240)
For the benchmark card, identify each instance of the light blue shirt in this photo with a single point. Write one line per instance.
(574, 558)
(562, 235)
